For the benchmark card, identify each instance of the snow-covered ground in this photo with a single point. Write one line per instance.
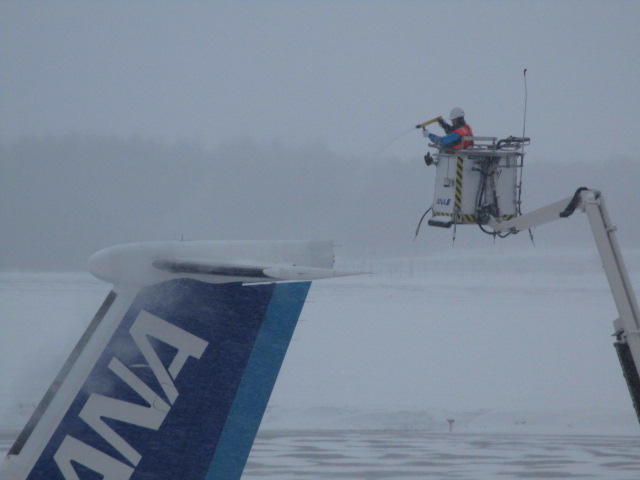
(514, 346)
(388, 454)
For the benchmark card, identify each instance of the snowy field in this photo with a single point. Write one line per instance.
(418, 455)
(514, 347)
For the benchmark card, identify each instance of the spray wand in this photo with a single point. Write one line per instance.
(429, 122)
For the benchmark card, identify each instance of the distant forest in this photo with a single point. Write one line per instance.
(63, 198)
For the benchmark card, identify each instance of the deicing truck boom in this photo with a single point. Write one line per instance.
(627, 325)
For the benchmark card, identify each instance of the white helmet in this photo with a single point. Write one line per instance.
(456, 112)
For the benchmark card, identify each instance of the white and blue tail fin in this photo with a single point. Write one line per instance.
(173, 375)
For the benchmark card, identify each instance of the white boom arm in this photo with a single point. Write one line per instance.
(627, 326)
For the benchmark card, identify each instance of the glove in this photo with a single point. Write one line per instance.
(425, 133)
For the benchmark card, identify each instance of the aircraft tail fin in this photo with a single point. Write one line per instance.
(170, 380)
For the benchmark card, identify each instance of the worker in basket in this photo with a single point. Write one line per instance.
(454, 133)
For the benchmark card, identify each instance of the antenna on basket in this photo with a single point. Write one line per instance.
(524, 120)
(524, 128)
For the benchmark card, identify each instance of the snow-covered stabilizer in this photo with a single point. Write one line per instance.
(145, 263)
(477, 184)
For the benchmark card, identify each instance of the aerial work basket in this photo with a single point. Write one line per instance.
(477, 184)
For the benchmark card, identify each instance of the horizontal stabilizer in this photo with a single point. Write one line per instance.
(246, 273)
(142, 264)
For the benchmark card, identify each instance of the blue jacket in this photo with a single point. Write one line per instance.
(447, 141)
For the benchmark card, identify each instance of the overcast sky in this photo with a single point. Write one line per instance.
(351, 75)
(128, 121)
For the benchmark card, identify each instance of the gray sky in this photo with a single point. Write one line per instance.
(350, 75)
(129, 121)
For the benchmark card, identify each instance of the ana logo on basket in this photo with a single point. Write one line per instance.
(443, 201)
